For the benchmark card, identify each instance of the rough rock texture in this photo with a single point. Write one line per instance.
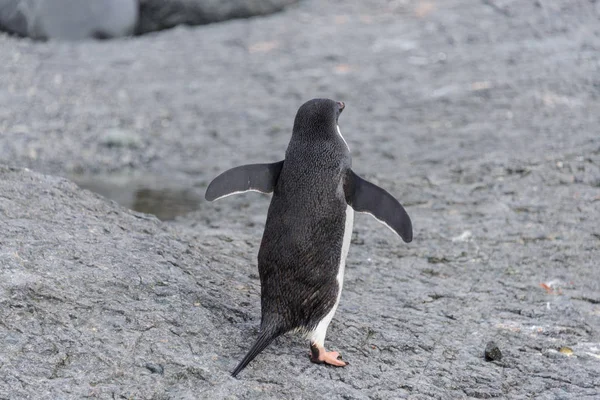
(482, 117)
(95, 300)
(157, 15)
(69, 19)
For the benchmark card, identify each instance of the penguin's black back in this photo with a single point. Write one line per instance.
(300, 251)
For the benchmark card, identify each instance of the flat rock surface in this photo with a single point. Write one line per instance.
(481, 117)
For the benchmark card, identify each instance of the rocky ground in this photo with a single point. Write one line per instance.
(480, 116)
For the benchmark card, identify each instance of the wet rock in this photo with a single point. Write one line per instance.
(492, 352)
(69, 19)
(163, 196)
(156, 15)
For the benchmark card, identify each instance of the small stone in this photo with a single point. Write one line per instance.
(566, 351)
(155, 368)
(492, 352)
(121, 138)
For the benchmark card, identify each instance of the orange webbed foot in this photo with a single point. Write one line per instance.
(319, 355)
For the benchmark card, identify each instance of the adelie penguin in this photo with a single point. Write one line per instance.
(309, 225)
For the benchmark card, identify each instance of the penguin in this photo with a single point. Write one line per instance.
(307, 233)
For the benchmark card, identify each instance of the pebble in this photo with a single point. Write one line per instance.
(492, 352)
(155, 368)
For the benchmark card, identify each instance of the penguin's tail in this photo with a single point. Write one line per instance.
(264, 339)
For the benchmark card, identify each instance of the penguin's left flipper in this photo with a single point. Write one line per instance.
(253, 177)
(363, 196)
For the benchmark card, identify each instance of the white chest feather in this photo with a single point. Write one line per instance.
(345, 247)
(317, 336)
(340, 133)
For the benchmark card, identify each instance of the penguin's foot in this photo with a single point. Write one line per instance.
(319, 355)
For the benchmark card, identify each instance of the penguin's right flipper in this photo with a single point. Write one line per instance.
(363, 196)
(253, 177)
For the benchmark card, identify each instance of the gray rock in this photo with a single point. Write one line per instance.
(90, 291)
(69, 19)
(163, 14)
(492, 352)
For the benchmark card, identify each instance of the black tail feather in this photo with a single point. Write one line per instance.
(264, 339)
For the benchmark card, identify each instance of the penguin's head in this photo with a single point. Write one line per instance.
(318, 119)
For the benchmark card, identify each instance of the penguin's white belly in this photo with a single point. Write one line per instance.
(318, 335)
(345, 247)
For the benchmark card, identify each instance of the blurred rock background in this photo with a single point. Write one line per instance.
(103, 19)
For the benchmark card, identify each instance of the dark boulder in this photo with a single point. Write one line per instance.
(156, 15)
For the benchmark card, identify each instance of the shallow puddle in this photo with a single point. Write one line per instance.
(161, 196)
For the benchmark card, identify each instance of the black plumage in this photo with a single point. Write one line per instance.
(301, 253)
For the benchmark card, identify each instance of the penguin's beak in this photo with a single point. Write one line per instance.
(341, 105)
